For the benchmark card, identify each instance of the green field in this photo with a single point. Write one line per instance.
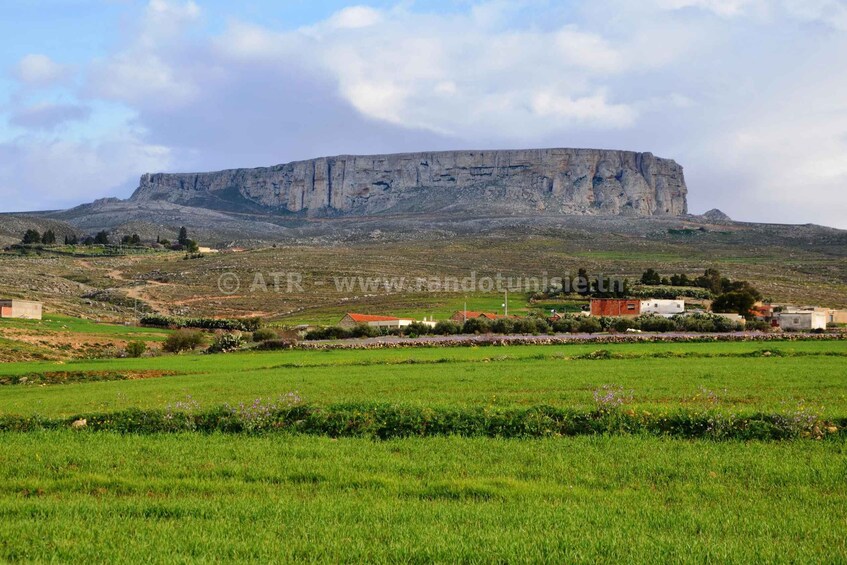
(797, 374)
(174, 497)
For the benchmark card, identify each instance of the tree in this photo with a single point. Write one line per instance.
(582, 285)
(191, 246)
(71, 239)
(102, 238)
(183, 236)
(30, 237)
(735, 302)
(49, 238)
(711, 280)
(651, 278)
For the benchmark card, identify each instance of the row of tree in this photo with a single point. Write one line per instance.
(34, 237)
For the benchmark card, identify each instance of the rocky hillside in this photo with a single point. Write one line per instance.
(555, 181)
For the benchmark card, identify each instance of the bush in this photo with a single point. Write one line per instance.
(658, 324)
(565, 324)
(588, 325)
(136, 348)
(183, 340)
(417, 328)
(707, 323)
(622, 324)
(235, 324)
(447, 327)
(224, 343)
(476, 326)
(264, 334)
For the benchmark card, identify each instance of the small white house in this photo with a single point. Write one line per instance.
(351, 320)
(25, 309)
(802, 320)
(661, 307)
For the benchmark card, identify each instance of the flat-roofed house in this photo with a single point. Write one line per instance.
(25, 309)
(351, 320)
(802, 320)
(838, 317)
(615, 307)
(661, 307)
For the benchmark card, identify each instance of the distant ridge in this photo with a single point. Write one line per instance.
(553, 181)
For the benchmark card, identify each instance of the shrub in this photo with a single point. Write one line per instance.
(237, 324)
(224, 343)
(264, 334)
(417, 328)
(622, 324)
(659, 324)
(588, 325)
(566, 324)
(476, 326)
(447, 327)
(136, 348)
(183, 340)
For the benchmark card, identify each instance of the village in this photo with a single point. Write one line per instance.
(775, 316)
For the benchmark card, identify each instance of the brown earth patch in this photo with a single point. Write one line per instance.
(69, 377)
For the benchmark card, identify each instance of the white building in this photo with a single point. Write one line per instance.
(802, 320)
(659, 307)
(25, 309)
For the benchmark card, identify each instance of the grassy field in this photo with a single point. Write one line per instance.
(97, 496)
(792, 375)
(59, 338)
(104, 497)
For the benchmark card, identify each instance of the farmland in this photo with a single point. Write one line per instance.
(288, 496)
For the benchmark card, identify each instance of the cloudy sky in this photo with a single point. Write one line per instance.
(750, 96)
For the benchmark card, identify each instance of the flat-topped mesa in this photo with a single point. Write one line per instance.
(552, 181)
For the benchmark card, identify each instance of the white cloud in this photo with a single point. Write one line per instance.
(742, 92)
(40, 70)
(355, 17)
(592, 109)
(829, 12)
(725, 8)
(47, 116)
(37, 173)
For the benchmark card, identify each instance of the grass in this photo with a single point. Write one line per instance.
(85, 496)
(71, 325)
(101, 497)
(811, 375)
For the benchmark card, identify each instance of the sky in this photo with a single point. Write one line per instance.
(750, 96)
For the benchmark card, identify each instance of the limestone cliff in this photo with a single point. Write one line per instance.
(558, 181)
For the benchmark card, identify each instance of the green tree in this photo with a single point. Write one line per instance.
(49, 238)
(734, 302)
(711, 280)
(102, 238)
(183, 235)
(30, 237)
(582, 284)
(651, 277)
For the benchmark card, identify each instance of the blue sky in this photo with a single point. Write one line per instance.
(746, 94)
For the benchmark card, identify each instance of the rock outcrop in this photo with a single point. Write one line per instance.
(552, 181)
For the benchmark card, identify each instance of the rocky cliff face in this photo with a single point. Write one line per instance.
(562, 181)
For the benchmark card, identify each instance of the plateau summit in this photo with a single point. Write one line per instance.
(552, 181)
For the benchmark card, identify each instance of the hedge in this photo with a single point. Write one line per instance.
(381, 421)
